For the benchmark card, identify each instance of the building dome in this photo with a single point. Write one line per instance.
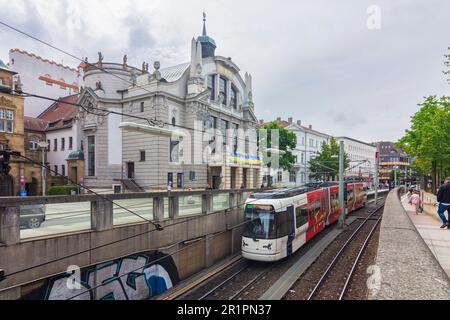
(208, 43)
(76, 155)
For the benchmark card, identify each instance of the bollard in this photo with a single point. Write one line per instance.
(10, 225)
(101, 215)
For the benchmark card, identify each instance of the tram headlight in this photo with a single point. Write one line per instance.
(268, 246)
(244, 244)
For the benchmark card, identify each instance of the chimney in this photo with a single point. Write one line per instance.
(290, 120)
(310, 126)
(299, 122)
(279, 119)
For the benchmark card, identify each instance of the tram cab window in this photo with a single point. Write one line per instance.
(260, 222)
(301, 213)
(285, 224)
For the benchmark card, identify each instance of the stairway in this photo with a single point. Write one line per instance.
(132, 185)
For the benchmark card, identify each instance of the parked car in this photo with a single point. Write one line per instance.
(32, 216)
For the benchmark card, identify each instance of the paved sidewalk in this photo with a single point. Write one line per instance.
(437, 239)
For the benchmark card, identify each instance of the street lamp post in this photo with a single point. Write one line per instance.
(395, 176)
(341, 185)
(377, 183)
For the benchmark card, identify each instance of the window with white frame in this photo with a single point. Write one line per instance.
(223, 90)
(280, 176)
(6, 121)
(292, 176)
(33, 143)
(233, 98)
(212, 86)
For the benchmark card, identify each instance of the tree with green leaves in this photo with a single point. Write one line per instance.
(287, 142)
(326, 163)
(428, 140)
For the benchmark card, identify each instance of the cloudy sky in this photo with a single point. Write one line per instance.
(316, 61)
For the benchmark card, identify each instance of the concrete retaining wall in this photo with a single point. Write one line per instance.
(405, 267)
(193, 243)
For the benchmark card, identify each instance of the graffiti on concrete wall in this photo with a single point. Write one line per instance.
(131, 278)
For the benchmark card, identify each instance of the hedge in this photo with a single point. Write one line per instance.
(62, 190)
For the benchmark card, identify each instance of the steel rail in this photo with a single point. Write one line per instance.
(337, 256)
(234, 296)
(220, 285)
(363, 247)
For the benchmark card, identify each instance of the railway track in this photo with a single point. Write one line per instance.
(334, 281)
(238, 284)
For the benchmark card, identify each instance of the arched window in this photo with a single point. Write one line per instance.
(233, 98)
(212, 86)
(223, 90)
(174, 121)
(33, 144)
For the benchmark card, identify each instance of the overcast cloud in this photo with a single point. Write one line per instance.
(312, 60)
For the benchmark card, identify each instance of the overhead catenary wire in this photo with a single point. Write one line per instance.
(156, 225)
(134, 236)
(91, 65)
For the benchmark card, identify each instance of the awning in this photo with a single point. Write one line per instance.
(145, 128)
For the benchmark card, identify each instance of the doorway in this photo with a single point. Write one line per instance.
(73, 174)
(244, 177)
(233, 178)
(130, 170)
(216, 182)
(32, 188)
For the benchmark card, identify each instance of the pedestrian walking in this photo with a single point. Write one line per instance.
(443, 203)
(410, 193)
(415, 201)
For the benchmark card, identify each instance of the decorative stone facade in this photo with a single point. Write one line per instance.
(23, 175)
(170, 123)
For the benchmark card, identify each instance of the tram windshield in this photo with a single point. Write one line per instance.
(260, 222)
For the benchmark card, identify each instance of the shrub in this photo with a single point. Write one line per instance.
(62, 190)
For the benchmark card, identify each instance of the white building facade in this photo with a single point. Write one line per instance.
(362, 158)
(43, 77)
(185, 125)
(309, 142)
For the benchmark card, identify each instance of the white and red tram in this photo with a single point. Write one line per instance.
(280, 222)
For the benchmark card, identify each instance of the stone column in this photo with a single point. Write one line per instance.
(10, 225)
(239, 179)
(174, 207)
(233, 200)
(102, 215)
(207, 203)
(158, 208)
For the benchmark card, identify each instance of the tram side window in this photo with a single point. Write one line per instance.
(285, 225)
(301, 214)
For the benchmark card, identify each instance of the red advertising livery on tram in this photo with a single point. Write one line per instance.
(279, 222)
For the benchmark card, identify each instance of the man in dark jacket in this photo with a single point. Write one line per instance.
(443, 199)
